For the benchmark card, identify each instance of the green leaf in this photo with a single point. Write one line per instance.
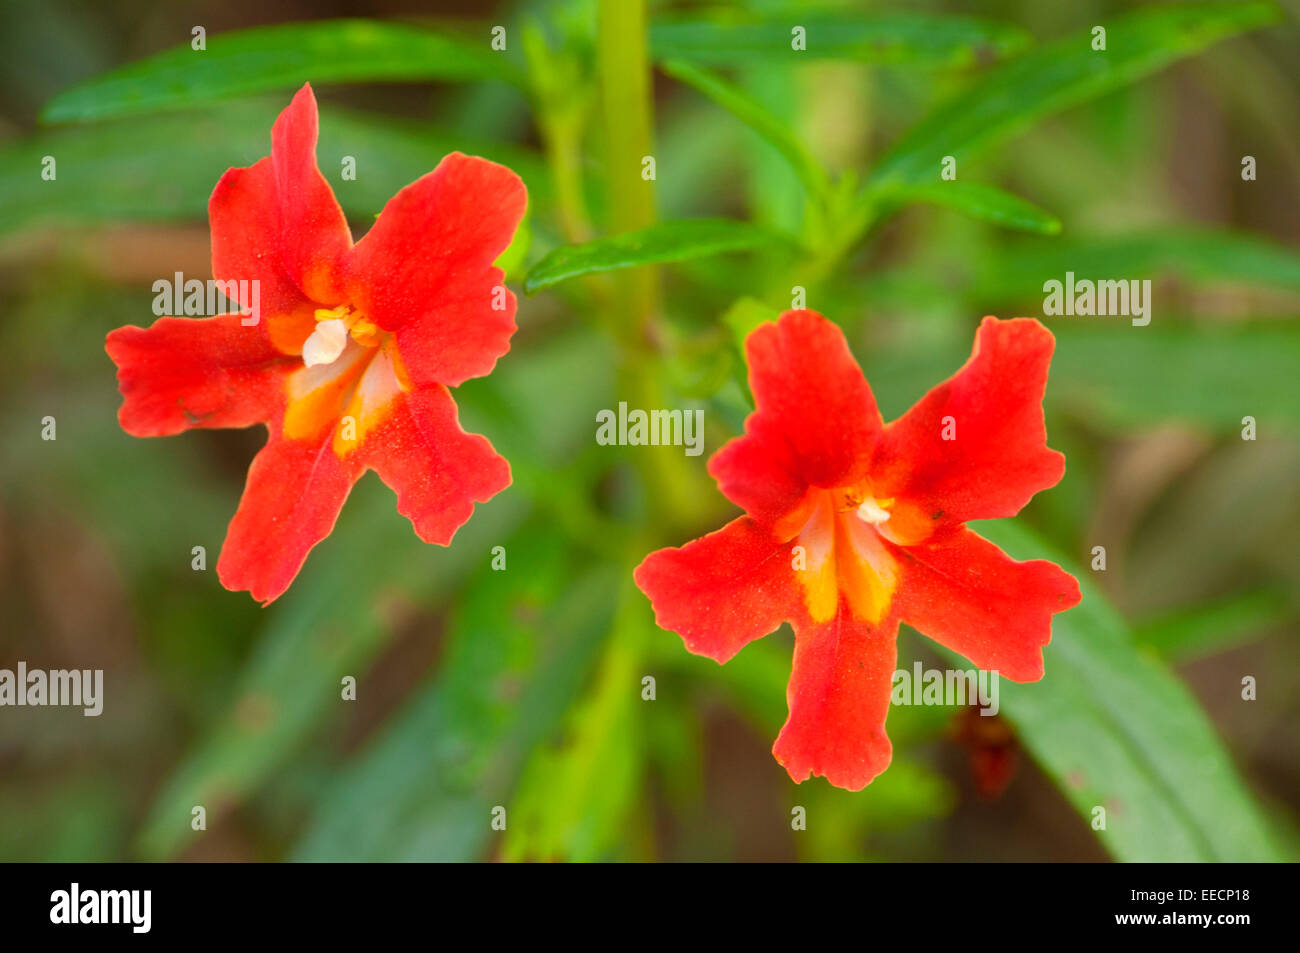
(574, 797)
(1116, 729)
(665, 242)
(80, 819)
(426, 787)
(163, 168)
(1196, 254)
(887, 39)
(755, 115)
(1210, 375)
(1060, 75)
(280, 57)
(327, 625)
(983, 202)
(1117, 376)
(1215, 627)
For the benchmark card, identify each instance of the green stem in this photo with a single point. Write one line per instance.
(623, 66)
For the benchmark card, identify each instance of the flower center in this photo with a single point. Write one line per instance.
(333, 327)
(846, 557)
(874, 511)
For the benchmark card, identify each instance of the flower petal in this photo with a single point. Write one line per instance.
(277, 222)
(723, 590)
(294, 492)
(966, 593)
(314, 234)
(186, 372)
(425, 269)
(839, 695)
(415, 443)
(997, 457)
(816, 421)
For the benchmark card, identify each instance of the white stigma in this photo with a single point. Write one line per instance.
(326, 343)
(872, 512)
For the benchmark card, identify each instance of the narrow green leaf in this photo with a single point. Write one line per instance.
(326, 626)
(1210, 376)
(1121, 377)
(163, 168)
(574, 796)
(278, 57)
(917, 39)
(1060, 75)
(665, 242)
(1214, 627)
(755, 115)
(426, 788)
(1193, 254)
(984, 202)
(80, 819)
(1116, 729)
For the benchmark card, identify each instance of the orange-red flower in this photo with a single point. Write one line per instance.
(854, 526)
(349, 363)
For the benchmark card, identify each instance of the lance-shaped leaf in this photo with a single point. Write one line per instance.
(1192, 254)
(285, 56)
(1181, 372)
(1058, 76)
(984, 202)
(327, 628)
(1171, 370)
(1117, 730)
(1212, 627)
(755, 115)
(574, 798)
(162, 168)
(911, 38)
(427, 787)
(665, 242)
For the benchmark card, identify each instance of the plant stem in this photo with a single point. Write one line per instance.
(623, 66)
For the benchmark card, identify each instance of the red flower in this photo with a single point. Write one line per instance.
(349, 364)
(854, 526)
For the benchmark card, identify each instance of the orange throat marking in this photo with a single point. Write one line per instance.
(843, 536)
(351, 372)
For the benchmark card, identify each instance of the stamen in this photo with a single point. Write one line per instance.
(329, 314)
(364, 331)
(326, 343)
(871, 511)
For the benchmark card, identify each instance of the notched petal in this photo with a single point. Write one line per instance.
(723, 590)
(975, 447)
(182, 373)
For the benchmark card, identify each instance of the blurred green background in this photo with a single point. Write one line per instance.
(523, 688)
